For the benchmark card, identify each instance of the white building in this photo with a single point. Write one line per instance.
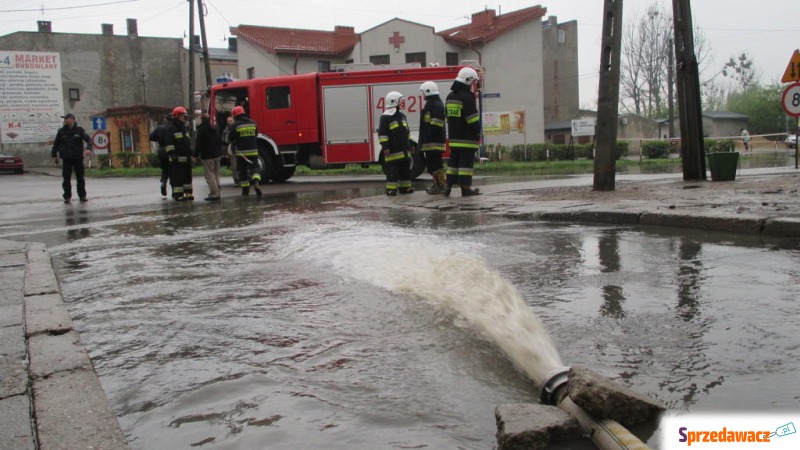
(531, 64)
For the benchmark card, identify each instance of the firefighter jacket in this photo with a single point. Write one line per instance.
(463, 119)
(243, 136)
(157, 135)
(431, 125)
(393, 135)
(176, 140)
(68, 143)
(206, 145)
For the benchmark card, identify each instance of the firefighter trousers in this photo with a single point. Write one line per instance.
(460, 166)
(180, 176)
(398, 176)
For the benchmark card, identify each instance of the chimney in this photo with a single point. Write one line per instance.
(45, 26)
(108, 29)
(340, 30)
(484, 18)
(133, 28)
(552, 20)
(232, 44)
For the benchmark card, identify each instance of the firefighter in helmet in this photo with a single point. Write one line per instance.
(464, 129)
(432, 135)
(178, 147)
(393, 135)
(243, 137)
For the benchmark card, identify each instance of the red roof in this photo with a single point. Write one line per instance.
(292, 40)
(487, 25)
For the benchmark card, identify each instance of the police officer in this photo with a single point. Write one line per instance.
(243, 137)
(464, 129)
(68, 145)
(178, 147)
(432, 135)
(393, 135)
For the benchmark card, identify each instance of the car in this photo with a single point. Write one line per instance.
(14, 163)
(791, 141)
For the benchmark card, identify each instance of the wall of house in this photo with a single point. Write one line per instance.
(417, 38)
(519, 84)
(106, 70)
(560, 62)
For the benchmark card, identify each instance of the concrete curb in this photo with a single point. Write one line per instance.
(70, 408)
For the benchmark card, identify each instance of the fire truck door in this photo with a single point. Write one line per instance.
(280, 114)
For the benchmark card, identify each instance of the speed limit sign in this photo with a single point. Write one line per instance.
(100, 140)
(791, 100)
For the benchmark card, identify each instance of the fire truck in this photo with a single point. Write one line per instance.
(325, 120)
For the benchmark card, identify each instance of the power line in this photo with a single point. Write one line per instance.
(42, 9)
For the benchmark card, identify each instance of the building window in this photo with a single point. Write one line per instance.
(379, 59)
(74, 95)
(129, 137)
(323, 66)
(251, 73)
(416, 58)
(451, 58)
(349, 61)
(278, 97)
(562, 36)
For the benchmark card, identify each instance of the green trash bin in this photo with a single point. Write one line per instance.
(723, 165)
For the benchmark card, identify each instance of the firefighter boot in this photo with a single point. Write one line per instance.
(447, 188)
(467, 191)
(245, 191)
(438, 183)
(257, 188)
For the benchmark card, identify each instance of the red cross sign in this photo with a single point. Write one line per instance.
(396, 40)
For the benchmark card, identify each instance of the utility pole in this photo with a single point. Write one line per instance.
(688, 83)
(608, 97)
(191, 63)
(671, 87)
(201, 15)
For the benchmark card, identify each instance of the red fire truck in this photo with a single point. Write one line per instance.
(325, 120)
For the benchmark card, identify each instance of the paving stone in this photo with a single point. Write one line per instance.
(46, 314)
(16, 426)
(50, 354)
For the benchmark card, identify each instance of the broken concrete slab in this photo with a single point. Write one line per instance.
(532, 426)
(46, 314)
(51, 354)
(603, 398)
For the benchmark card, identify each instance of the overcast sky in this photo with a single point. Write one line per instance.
(767, 30)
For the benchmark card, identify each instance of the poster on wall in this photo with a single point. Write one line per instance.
(503, 122)
(31, 97)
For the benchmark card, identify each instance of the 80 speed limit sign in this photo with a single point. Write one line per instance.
(100, 140)
(791, 100)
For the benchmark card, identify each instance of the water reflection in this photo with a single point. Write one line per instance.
(689, 278)
(609, 259)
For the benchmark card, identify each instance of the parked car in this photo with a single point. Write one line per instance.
(8, 162)
(791, 141)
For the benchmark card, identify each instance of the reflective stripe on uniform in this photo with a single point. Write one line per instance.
(395, 156)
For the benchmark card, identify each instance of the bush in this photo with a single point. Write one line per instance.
(715, 146)
(103, 160)
(655, 149)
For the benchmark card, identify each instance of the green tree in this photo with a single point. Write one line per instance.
(763, 105)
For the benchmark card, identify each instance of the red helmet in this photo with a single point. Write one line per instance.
(237, 110)
(178, 111)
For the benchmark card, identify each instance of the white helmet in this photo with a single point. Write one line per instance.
(467, 75)
(393, 99)
(429, 88)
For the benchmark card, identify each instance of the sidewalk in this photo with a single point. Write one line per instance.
(50, 396)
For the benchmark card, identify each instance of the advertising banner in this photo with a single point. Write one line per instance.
(31, 97)
(503, 122)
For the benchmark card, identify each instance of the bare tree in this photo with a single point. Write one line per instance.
(741, 71)
(644, 83)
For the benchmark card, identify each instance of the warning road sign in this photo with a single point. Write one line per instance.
(792, 72)
(100, 140)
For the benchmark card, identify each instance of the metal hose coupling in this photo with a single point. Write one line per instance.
(554, 382)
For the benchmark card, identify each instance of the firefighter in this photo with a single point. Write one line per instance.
(464, 128)
(393, 134)
(243, 138)
(432, 135)
(178, 146)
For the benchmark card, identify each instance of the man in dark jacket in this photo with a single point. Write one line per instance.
(432, 135)
(464, 132)
(206, 148)
(69, 145)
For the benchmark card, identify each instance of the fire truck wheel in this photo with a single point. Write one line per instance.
(272, 168)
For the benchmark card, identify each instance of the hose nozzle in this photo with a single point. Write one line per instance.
(552, 386)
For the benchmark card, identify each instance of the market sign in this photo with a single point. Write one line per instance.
(31, 100)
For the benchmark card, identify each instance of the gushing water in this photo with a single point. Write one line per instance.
(446, 273)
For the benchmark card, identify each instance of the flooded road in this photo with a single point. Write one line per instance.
(306, 321)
